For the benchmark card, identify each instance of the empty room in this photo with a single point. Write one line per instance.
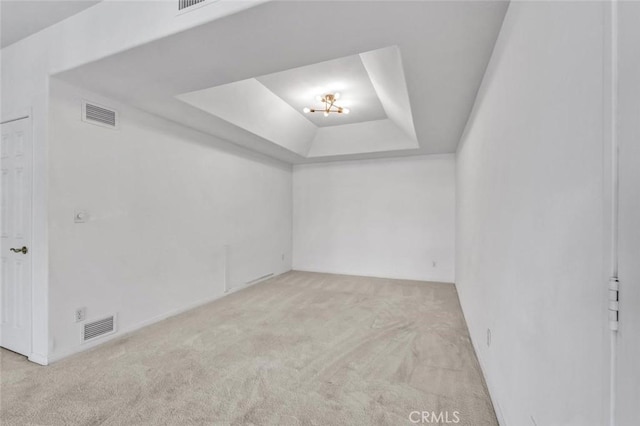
(235, 212)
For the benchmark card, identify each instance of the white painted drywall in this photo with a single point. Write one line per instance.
(529, 247)
(628, 367)
(163, 202)
(25, 67)
(386, 218)
(371, 136)
(250, 105)
(384, 67)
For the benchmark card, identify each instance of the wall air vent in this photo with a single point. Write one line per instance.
(183, 4)
(99, 115)
(95, 329)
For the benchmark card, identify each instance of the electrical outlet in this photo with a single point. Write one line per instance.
(434, 263)
(81, 314)
(283, 257)
(488, 337)
(80, 216)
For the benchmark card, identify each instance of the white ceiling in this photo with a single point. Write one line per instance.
(299, 87)
(21, 18)
(445, 47)
(374, 86)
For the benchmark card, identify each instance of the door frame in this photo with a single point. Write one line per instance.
(26, 114)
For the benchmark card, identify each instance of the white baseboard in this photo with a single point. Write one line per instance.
(490, 387)
(475, 343)
(38, 359)
(389, 277)
(126, 330)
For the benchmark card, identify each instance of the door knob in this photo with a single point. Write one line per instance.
(22, 250)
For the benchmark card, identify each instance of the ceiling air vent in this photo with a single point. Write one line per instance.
(99, 115)
(98, 328)
(183, 4)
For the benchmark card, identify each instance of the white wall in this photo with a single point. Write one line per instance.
(628, 386)
(529, 248)
(163, 202)
(25, 67)
(386, 218)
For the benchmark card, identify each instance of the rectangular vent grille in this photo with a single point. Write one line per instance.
(183, 4)
(98, 328)
(99, 114)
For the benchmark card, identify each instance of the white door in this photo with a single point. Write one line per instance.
(15, 216)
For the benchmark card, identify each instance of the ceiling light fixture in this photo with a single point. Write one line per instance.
(329, 105)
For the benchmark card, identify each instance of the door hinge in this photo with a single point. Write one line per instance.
(614, 303)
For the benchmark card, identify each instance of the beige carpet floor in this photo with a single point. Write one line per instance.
(299, 349)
